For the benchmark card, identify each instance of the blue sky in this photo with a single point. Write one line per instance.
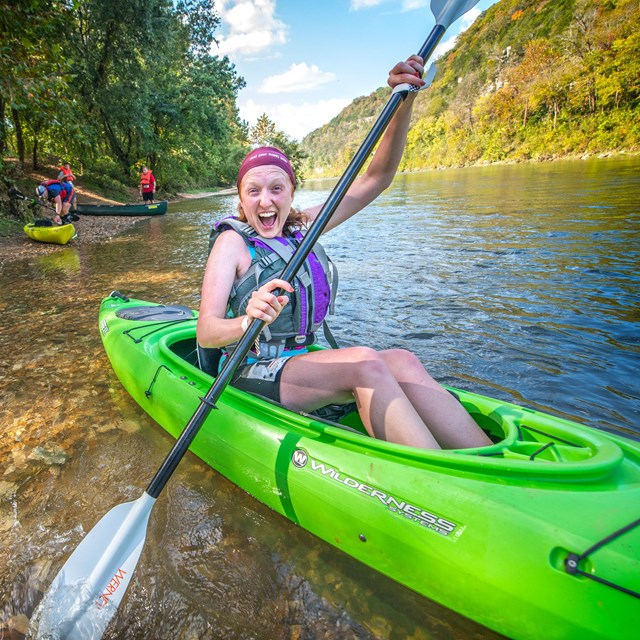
(305, 60)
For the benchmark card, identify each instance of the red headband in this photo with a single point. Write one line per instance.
(266, 156)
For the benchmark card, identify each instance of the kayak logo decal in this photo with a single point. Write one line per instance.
(111, 588)
(104, 327)
(300, 458)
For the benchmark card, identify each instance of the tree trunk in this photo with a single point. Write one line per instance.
(114, 145)
(19, 137)
(3, 129)
(526, 112)
(35, 151)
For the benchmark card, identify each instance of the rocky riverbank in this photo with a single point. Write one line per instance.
(17, 245)
(89, 229)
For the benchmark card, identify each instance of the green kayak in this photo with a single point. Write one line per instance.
(536, 536)
(137, 209)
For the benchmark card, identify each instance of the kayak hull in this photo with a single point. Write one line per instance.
(60, 234)
(484, 532)
(155, 209)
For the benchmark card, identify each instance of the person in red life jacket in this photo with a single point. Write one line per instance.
(147, 185)
(61, 194)
(396, 397)
(65, 174)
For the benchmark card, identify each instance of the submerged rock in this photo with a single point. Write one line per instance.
(49, 454)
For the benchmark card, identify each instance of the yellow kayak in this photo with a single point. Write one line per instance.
(58, 234)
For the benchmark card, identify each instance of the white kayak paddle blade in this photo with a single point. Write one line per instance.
(88, 589)
(447, 12)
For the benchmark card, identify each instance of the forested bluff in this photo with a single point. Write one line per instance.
(529, 80)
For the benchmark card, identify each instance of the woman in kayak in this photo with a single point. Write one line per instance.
(397, 399)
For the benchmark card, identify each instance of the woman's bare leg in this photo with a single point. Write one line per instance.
(315, 379)
(397, 399)
(445, 417)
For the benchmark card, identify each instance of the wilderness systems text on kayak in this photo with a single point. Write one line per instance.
(300, 459)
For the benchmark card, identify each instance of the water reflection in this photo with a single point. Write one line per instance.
(518, 281)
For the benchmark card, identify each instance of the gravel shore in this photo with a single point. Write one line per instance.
(89, 229)
(17, 245)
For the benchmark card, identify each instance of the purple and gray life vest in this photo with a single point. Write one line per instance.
(315, 286)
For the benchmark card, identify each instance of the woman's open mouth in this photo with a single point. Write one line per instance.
(268, 219)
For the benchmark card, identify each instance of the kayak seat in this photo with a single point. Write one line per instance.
(209, 359)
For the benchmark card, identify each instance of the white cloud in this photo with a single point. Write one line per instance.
(410, 5)
(251, 27)
(296, 120)
(469, 18)
(364, 4)
(298, 77)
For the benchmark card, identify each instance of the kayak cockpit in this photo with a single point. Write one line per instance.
(519, 435)
(524, 440)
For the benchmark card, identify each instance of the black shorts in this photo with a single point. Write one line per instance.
(261, 378)
(147, 196)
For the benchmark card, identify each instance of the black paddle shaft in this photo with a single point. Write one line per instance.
(18, 194)
(207, 403)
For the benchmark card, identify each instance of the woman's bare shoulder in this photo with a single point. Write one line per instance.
(229, 238)
(229, 251)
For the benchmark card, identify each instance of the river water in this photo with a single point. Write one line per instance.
(519, 282)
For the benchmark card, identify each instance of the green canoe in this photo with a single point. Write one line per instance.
(138, 209)
(535, 536)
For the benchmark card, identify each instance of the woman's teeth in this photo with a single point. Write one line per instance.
(268, 219)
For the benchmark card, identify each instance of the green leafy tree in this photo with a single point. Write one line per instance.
(34, 72)
(151, 91)
(264, 133)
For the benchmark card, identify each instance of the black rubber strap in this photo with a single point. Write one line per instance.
(573, 560)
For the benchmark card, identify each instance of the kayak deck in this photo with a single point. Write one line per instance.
(58, 234)
(490, 532)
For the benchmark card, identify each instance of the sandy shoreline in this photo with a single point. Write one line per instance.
(89, 228)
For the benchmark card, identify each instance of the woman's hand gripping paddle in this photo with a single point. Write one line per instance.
(88, 589)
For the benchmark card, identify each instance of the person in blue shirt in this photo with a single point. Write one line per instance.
(61, 194)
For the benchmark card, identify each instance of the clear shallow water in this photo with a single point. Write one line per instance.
(520, 282)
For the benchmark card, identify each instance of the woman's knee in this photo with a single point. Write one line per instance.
(401, 357)
(404, 363)
(368, 366)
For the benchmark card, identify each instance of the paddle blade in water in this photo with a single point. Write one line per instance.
(86, 593)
